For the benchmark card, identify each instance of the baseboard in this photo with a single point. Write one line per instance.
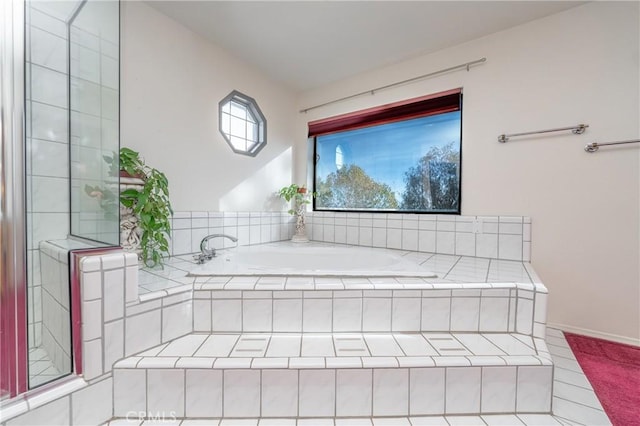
(596, 334)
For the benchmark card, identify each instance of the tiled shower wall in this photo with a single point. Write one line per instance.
(493, 237)
(56, 333)
(47, 140)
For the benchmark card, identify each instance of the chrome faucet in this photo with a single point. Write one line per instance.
(209, 253)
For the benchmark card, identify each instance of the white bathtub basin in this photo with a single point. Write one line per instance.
(310, 260)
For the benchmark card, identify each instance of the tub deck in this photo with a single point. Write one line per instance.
(449, 269)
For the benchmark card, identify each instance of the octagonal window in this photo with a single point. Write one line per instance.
(242, 124)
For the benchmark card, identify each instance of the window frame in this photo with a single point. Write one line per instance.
(252, 108)
(359, 120)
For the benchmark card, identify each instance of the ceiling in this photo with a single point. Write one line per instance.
(307, 44)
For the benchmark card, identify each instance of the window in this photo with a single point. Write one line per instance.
(242, 124)
(403, 157)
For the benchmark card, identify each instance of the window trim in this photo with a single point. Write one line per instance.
(252, 107)
(329, 125)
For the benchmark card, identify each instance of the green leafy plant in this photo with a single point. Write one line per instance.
(298, 194)
(151, 205)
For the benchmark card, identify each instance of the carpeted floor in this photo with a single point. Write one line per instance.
(614, 372)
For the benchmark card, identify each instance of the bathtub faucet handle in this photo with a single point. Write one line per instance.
(207, 253)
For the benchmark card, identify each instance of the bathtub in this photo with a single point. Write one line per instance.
(310, 259)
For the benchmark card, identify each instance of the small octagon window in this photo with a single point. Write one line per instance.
(242, 124)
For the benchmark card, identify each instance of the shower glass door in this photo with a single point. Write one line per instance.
(94, 84)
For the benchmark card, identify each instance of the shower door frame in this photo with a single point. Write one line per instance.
(13, 262)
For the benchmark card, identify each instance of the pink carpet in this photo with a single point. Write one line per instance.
(614, 372)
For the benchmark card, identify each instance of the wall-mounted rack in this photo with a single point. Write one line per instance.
(593, 147)
(576, 130)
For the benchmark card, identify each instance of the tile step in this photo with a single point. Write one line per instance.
(226, 383)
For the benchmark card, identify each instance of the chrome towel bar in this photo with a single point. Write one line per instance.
(593, 147)
(576, 130)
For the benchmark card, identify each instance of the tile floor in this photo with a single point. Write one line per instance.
(574, 403)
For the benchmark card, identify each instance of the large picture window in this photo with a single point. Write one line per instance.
(403, 157)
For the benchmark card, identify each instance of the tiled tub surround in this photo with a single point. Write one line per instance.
(336, 350)
(491, 237)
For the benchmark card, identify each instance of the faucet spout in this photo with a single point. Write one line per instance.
(209, 253)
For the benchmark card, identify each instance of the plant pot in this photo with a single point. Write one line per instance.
(302, 190)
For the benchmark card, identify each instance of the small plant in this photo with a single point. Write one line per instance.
(298, 194)
(151, 205)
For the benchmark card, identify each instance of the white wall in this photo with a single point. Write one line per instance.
(172, 81)
(579, 66)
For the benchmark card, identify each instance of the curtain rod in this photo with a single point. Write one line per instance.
(466, 65)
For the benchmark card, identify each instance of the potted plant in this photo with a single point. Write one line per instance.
(149, 207)
(301, 197)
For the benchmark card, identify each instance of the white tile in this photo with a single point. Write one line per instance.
(202, 315)
(465, 244)
(279, 393)
(165, 391)
(445, 242)
(256, 315)
(241, 393)
(463, 390)
(379, 237)
(317, 393)
(428, 421)
(113, 343)
(276, 422)
(204, 393)
(576, 394)
(391, 421)
(579, 413)
(510, 247)
(534, 389)
(130, 391)
(465, 421)
(376, 315)
(465, 313)
(382, 345)
(184, 346)
(92, 359)
(56, 413)
(353, 422)
(390, 392)
(217, 345)
(436, 313)
(353, 392)
(317, 315)
(426, 240)
(249, 345)
(494, 314)
(477, 344)
(498, 389)
(347, 314)
(177, 320)
(317, 345)
(524, 316)
(487, 245)
(510, 344)
(92, 319)
(427, 391)
(227, 315)
(140, 334)
(93, 404)
(50, 195)
(503, 419)
(113, 294)
(284, 346)
(538, 420)
(415, 345)
(394, 238)
(406, 314)
(287, 315)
